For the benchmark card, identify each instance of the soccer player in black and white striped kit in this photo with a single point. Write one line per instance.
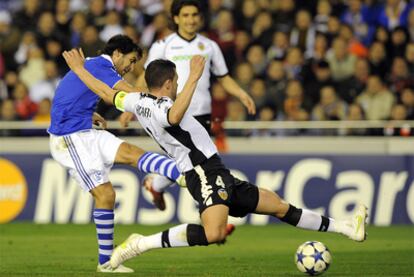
(210, 183)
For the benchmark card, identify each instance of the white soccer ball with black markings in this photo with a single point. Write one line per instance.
(313, 258)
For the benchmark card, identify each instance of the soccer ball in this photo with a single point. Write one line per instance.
(313, 258)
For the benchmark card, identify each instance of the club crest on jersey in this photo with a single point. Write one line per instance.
(223, 194)
(201, 46)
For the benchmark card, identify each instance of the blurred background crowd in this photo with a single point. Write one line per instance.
(299, 59)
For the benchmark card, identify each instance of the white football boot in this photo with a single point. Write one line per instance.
(126, 250)
(355, 228)
(107, 268)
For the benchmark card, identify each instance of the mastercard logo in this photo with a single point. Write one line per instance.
(13, 191)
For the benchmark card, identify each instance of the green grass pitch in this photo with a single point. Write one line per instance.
(70, 250)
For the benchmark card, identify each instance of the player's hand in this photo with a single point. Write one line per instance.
(74, 58)
(248, 103)
(197, 63)
(125, 118)
(98, 120)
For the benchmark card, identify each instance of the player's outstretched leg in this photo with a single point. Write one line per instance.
(271, 204)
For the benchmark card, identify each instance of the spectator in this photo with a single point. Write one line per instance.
(90, 42)
(354, 46)
(262, 29)
(399, 77)
(158, 29)
(46, 88)
(241, 42)
(9, 39)
(321, 77)
(279, 47)
(409, 57)
(27, 17)
(43, 112)
(352, 87)
(399, 40)
(257, 91)
(27, 43)
(340, 61)
(410, 24)
(378, 60)
(398, 113)
(285, 15)
(112, 26)
(355, 113)
(323, 11)
(77, 26)
(357, 16)
(266, 114)
(97, 14)
(34, 70)
(334, 25)
(407, 99)
(276, 82)
(249, 10)
(134, 15)
(46, 30)
(294, 63)
(294, 106)
(8, 113)
(330, 106)
(25, 107)
(393, 14)
(303, 34)
(256, 57)
(63, 16)
(376, 99)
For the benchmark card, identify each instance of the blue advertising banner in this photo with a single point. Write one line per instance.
(36, 188)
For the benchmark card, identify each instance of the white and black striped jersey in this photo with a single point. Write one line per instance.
(188, 143)
(180, 51)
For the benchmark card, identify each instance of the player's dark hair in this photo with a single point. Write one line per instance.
(159, 71)
(177, 5)
(123, 44)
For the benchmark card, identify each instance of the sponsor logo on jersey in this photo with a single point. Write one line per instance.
(176, 47)
(13, 191)
(223, 194)
(201, 46)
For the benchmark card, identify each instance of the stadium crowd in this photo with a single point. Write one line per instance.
(299, 59)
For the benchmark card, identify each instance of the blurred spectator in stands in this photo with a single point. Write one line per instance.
(43, 111)
(319, 50)
(214, 9)
(279, 47)
(409, 57)
(303, 34)
(112, 26)
(46, 30)
(376, 99)
(357, 16)
(383, 35)
(158, 29)
(134, 15)
(340, 61)
(26, 18)
(8, 113)
(262, 29)
(34, 70)
(407, 99)
(10, 79)
(27, 43)
(46, 88)
(323, 11)
(355, 113)
(235, 112)
(90, 42)
(219, 102)
(399, 40)
(294, 63)
(9, 40)
(246, 15)
(353, 45)
(321, 76)
(349, 89)
(284, 17)
(330, 106)
(394, 13)
(294, 106)
(257, 91)
(334, 25)
(266, 113)
(398, 113)
(224, 34)
(276, 82)
(241, 42)
(131, 32)
(54, 51)
(399, 77)
(25, 107)
(97, 14)
(77, 26)
(244, 75)
(410, 25)
(63, 16)
(378, 60)
(257, 58)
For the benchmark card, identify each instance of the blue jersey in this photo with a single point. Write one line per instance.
(74, 103)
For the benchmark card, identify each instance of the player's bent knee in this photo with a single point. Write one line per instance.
(104, 196)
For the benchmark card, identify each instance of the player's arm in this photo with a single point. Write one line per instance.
(183, 100)
(75, 60)
(234, 89)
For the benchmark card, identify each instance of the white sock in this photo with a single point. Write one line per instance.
(314, 221)
(173, 237)
(160, 183)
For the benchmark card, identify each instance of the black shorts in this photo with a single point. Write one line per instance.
(210, 183)
(205, 121)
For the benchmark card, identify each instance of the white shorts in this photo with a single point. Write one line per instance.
(89, 155)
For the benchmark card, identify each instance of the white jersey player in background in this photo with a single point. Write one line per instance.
(179, 48)
(218, 193)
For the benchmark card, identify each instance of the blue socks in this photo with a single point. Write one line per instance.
(104, 221)
(155, 163)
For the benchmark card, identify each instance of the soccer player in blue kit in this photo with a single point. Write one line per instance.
(89, 153)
